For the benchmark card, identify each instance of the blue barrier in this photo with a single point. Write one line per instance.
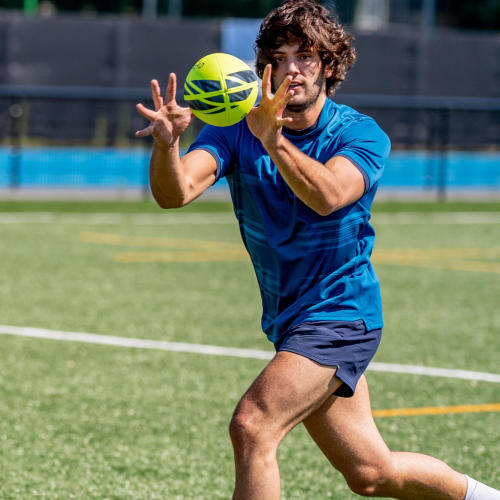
(73, 167)
(451, 170)
(109, 168)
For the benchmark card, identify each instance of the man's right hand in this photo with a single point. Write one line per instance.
(168, 120)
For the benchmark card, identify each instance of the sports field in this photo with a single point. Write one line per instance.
(114, 416)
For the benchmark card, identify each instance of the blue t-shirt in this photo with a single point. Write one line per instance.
(309, 267)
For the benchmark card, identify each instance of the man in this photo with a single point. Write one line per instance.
(303, 172)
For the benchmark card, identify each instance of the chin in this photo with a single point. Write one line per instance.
(298, 106)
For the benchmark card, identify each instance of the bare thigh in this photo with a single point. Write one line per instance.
(345, 431)
(289, 389)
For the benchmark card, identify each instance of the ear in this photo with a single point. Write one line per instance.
(329, 70)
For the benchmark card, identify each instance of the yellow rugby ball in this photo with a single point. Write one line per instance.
(221, 89)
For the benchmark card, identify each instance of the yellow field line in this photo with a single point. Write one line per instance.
(465, 265)
(188, 256)
(157, 242)
(437, 410)
(437, 253)
(455, 259)
(459, 259)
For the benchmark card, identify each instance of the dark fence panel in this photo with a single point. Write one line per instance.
(412, 63)
(71, 51)
(103, 51)
(386, 64)
(128, 52)
(155, 49)
(461, 65)
(4, 34)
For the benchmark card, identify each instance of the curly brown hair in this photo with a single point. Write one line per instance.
(312, 26)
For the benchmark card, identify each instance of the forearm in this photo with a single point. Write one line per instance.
(312, 181)
(169, 184)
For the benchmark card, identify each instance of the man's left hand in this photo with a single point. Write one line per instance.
(266, 120)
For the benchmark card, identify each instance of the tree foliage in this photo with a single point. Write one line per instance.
(463, 14)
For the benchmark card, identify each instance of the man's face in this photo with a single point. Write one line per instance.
(307, 72)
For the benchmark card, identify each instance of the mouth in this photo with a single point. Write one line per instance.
(294, 85)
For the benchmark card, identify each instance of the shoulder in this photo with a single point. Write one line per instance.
(220, 132)
(354, 125)
(225, 144)
(340, 119)
(350, 117)
(225, 137)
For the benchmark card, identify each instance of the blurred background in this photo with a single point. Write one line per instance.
(71, 72)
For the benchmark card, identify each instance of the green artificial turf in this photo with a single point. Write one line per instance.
(94, 421)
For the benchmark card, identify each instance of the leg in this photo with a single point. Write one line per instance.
(287, 391)
(345, 431)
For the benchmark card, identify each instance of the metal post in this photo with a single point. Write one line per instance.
(150, 9)
(444, 140)
(174, 8)
(428, 19)
(16, 114)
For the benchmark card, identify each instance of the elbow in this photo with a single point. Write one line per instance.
(167, 198)
(327, 207)
(172, 195)
(324, 202)
(167, 202)
(324, 211)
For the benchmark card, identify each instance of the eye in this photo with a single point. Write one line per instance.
(305, 56)
(278, 59)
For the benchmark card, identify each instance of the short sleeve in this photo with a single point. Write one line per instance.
(216, 141)
(367, 146)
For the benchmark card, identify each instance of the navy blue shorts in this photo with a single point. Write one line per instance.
(344, 344)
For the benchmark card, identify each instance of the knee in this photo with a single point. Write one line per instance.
(370, 481)
(244, 428)
(249, 430)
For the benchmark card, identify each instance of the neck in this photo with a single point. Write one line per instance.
(307, 117)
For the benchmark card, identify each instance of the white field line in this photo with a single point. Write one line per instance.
(113, 218)
(202, 218)
(415, 218)
(91, 338)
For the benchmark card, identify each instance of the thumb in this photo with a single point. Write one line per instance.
(285, 121)
(145, 131)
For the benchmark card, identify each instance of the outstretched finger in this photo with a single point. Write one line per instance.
(283, 88)
(146, 112)
(157, 98)
(145, 131)
(266, 82)
(171, 88)
(283, 101)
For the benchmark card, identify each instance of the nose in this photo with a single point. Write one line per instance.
(292, 67)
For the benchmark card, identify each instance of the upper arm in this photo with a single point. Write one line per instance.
(348, 179)
(200, 169)
(359, 160)
(366, 146)
(208, 158)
